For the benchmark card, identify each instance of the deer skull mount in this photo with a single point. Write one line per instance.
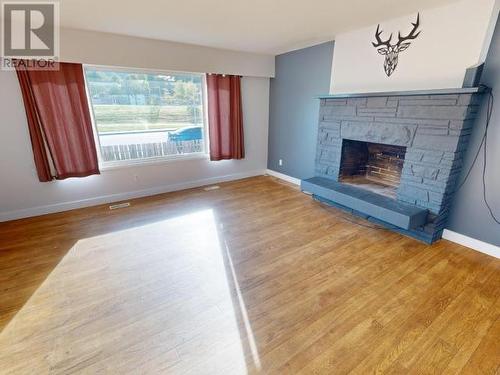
(391, 51)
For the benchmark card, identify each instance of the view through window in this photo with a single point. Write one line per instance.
(144, 115)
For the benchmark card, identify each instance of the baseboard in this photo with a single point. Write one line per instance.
(284, 177)
(472, 243)
(65, 206)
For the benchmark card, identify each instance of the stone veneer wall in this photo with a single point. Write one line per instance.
(434, 128)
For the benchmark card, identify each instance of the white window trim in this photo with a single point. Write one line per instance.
(119, 164)
(153, 161)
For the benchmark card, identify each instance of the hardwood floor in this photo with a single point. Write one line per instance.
(253, 277)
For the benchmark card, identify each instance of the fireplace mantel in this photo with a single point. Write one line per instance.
(452, 91)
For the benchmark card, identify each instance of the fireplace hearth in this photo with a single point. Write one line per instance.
(394, 157)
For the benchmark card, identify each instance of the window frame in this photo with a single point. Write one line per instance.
(117, 164)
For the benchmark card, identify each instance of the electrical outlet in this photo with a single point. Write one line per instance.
(280, 162)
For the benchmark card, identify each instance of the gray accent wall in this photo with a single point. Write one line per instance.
(469, 215)
(293, 114)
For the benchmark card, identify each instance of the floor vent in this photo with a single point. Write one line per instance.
(119, 205)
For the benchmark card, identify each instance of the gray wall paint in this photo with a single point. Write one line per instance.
(293, 114)
(469, 214)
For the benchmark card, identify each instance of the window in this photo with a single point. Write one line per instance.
(142, 116)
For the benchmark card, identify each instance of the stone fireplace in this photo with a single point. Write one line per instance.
(394, 157)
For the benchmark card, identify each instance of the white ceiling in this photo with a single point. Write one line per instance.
(263, 26)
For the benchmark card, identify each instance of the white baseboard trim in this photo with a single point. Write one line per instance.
(284, 177)
(472, 243)
(65, 206)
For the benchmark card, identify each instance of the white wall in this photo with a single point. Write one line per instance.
(118, 50)
(21, 194)
(453, 38)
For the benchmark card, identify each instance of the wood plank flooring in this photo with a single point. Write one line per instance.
(254, 277)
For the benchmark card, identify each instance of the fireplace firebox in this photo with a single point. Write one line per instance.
(373, 166)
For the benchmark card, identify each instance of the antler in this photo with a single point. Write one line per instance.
(412, 34)
(380, 42)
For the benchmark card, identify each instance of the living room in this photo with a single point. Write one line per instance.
(250, 187)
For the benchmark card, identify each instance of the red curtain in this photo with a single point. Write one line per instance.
(225, 117)
(59, 121)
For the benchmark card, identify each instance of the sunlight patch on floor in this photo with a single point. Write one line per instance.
(149, 298)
